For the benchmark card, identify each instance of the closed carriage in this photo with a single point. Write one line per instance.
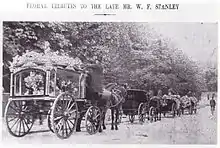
(138, 103)
(134, 104)
(170, 105)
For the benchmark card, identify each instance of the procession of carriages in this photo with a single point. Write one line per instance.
(54, 90)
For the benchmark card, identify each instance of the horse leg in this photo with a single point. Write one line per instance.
(112, 113)
(40, 119)
(103, 121)
(116, 119)
(160, 114)
(155, 117)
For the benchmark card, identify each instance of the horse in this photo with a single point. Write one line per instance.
(155, 102)
(112, 98)
(115, 96)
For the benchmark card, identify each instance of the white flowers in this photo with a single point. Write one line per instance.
(47, 58)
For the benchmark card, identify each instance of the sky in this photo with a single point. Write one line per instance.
(197, 40)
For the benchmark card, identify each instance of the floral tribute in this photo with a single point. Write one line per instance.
(48, 59)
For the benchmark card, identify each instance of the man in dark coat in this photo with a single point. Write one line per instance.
(212, 105)
(96, 72)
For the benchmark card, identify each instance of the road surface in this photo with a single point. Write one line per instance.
(200, 128)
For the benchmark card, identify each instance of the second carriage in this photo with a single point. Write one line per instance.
(138, 103)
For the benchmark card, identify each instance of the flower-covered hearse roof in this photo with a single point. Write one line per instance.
(44, 61)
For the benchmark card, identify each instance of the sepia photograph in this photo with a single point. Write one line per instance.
(109, 82)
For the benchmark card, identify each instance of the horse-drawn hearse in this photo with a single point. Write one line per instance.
(48, 85)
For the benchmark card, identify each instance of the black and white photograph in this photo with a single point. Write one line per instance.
(70, 82)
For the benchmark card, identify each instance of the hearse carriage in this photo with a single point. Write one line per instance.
(47, 87)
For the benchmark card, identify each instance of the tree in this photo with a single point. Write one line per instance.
(129, 52)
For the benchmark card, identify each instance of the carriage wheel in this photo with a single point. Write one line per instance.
(131, 118)
(173, 109)
(64, 115)
(19, 117)
(141, 114)
(152, 114)
(49, 121)
(93, 120)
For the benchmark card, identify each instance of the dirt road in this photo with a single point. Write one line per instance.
(200, 128)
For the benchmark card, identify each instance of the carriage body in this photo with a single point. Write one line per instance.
(135, 102)
(35, 91)
(37, 83)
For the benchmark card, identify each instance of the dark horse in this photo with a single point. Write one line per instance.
(156, 103)
(115, 101)
(112, 98)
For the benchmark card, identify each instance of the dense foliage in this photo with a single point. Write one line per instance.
(130, 53)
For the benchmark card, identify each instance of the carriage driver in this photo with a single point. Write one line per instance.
(91, 82)
(85, 85)
(90, 86)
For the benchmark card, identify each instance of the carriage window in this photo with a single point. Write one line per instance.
(67, 81)
(30, 82)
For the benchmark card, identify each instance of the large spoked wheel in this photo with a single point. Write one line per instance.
(141, 113)
(64, 115)
(49, 121)
(131, 118)
(93, 120)
(152, 113)
(174, 109)
(19, 117)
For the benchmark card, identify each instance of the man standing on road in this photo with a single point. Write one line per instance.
(212, 104)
